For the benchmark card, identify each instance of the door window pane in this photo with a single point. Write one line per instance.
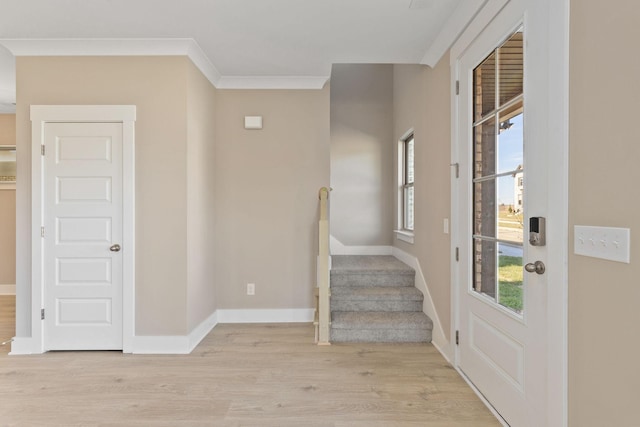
(510, 277)
(484, 268)
(510, 214)
(510, 142)
(510, 67)
(484, 87)
(484, 203)
(484, 142)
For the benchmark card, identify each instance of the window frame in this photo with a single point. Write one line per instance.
(402, 184)
(408, 183)
(486, 243)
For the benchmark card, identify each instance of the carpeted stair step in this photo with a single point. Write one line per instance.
(368, 326)
(376, 298)
(370, 270)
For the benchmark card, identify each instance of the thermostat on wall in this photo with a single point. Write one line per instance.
(253, 122)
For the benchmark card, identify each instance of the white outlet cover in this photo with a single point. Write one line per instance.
(251, 288)
(611, 243)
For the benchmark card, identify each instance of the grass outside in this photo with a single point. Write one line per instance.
(510, 277)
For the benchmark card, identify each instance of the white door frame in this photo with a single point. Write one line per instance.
(40, 116)
(556, 15)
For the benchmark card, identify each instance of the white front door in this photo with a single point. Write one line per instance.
(83, 217)
(501, 123)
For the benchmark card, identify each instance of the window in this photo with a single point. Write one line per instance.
(498, 175)
(407, 183)
(7, 167)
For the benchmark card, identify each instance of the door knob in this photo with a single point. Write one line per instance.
(115, 248)
(535, 267)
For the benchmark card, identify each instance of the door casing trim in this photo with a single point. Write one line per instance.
(40, 116)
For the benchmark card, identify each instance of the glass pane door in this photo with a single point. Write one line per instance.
(498, 175)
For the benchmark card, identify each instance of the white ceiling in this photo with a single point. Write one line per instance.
(238, 39)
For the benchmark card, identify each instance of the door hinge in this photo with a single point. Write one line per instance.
(457, 166)
(457, 87)
(457, 254)
(42, 150)
(41, 231)
(42, 314)
(457, 337)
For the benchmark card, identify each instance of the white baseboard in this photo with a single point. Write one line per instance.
(174, 344)
(160, 344)
(184, 344)
(337, 248)
(23, 345)
(202, 330)
(439, 339)
(286, 315)
(7, 289)
(445, 354)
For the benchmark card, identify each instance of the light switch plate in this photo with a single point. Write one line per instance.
(610, 243)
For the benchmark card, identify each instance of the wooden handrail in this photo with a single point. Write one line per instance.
(323, 311)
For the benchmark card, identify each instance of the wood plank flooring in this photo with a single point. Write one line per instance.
(240, 375)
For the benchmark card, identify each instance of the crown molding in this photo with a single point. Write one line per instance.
(200, 60)
(272, 82)
(464, 13)
(158, 47)
(115, 47)
(97, 47)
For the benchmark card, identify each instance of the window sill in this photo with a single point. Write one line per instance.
(405, 236)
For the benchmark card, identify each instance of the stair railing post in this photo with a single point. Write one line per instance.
(324, 311)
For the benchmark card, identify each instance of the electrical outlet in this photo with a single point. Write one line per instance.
(251, 288)
(602, 242)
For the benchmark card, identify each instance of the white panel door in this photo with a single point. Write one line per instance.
(502, 314)
(82, 236)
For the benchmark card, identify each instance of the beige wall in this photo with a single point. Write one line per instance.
(7, 210)
(362, 211)
(267, 184)
(200, 197)
(7, 237)
(217, 206)
(604, 379)
(158, 87)
(421, 101)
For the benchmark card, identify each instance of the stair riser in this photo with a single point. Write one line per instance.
(376, 305)
(381, 335)
(373, 279)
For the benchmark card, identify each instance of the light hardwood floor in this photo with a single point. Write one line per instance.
(240, 375)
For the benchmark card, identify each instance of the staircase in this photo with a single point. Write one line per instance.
(374, 299)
